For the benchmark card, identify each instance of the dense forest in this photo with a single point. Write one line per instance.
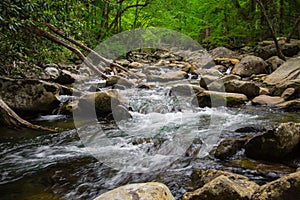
(27, 26)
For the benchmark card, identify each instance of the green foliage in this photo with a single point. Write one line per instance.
(212, 23)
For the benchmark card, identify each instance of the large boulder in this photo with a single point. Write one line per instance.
(139, 191)
(289, 70)
(103, 103)
(250, 65)
(219, 185)
(286, 187)
(250, 89)
(292, 84)
(215, 99)
(29, 96)
(275, 144)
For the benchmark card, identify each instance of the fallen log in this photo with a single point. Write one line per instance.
(10, 119)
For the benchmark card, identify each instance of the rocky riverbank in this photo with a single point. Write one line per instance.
(248, 77)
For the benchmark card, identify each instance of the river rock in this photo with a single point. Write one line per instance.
(215, 99)
(103, 103)
(250, 65)
(267, 100)
(275, 144)
(286, 187)
(222, 52)
(186, 89)
(291, 105)
(118, 80)
(51, 73)
(219, 185)
(268, 51)
(206, 80)
(288, 93)
(281, 87)
(139, 191)
(275, 61)
(250, 89)
(264, 91)
(168, 76)
(229, 147)
(29, 96)
(289, 70)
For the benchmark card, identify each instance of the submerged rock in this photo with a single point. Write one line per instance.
(276, 144)
(250, 65)
(139, 191)
(29, 96)
(286, 187)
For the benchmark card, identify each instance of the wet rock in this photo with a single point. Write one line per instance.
(264, 91)
(169, 76)
(292, 105)
(51, 73)
(229, 147)
(215, 99)
(113, 80)
(250, 89)
(222, 52)
(281, 87)
(250, 65)
(186, 89)
(123, 62)
(135, 65)
(290, 70)
(206, 80)
(275, 62)
(67, 77)
(286, 187)
(218, 185)
(139, 191)
(120, 112)
(103, 103)
(29, 96)
(275, 144)
(250, 129)
(267, 100)
(288, 93)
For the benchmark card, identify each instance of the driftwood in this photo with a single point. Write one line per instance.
(10, 119)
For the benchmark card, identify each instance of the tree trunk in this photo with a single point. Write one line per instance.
(53, 38)
(273, 34)
(289, 37)
(10, 119)
(93, 53)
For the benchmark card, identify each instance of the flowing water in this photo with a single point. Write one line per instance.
(167, 136)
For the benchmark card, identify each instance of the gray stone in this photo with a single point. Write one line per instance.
(29, 96)
(250, 65)
(139, 191)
